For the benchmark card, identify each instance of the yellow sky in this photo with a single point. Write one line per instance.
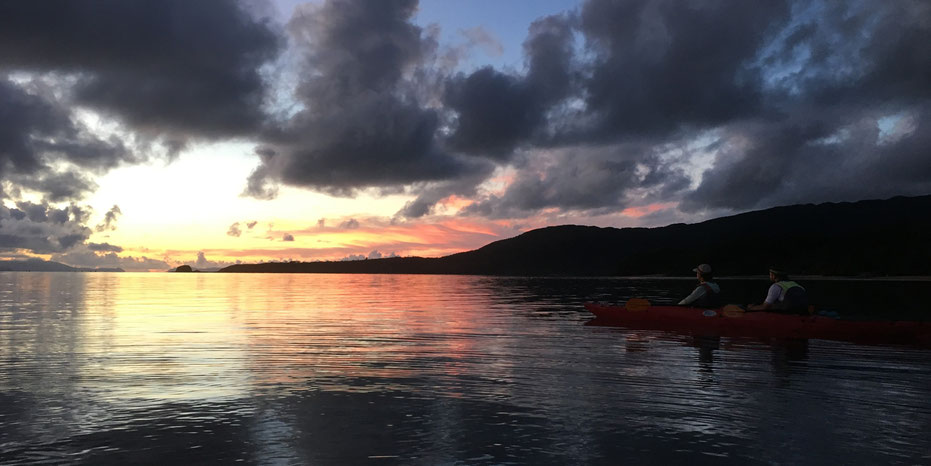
(173, 210)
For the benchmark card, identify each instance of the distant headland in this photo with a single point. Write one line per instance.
(39, 265)
(873, 238)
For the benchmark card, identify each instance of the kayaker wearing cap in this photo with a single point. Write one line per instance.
(707, 293)
(783, 295)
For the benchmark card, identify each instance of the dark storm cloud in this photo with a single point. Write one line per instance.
(860, 53)
(592, 180)
(172, 68)
(855, 116)
(497, 111)
(44, 149)
(363, 123)
(35, 133)
(41, 228)
(803, 101)
(653, 73)
(25, 118)
(169, 71)
(58, 187)
(664, 65)
(799, 162)
(808, 101)
(428, 195)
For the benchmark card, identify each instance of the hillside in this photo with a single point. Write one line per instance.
(866, 238)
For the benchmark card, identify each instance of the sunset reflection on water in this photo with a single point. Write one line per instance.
(115, 368)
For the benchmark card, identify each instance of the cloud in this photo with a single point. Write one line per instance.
(372, 255)
(202, 263)
(170, 67)
(436, 237)
(857, 54)
(287, 237)
(109, 219)
(235, 229)
(619, 104)
(364, 121)
(854, 117)
(495, 111)
(42, 228)
(794, 96)
(378, 255)
(804, 161)
(58, 187)
(661, 66)
(350, 224)
(479, 36)
(594, 180)
(38, 136)
(430, 194)
(104, 247)
(84, 257)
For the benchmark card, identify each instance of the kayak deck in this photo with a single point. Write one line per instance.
(698, 321)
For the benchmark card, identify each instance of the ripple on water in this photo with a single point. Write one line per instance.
(123, 368)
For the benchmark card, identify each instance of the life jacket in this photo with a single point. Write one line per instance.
(711, 298)
(794, 297)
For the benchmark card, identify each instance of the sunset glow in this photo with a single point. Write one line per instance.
(249, 131)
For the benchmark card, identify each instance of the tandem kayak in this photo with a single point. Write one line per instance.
(728, 322)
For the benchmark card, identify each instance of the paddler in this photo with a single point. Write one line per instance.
(784, 295)
(707, 293)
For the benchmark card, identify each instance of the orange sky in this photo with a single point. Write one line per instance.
(175, 213)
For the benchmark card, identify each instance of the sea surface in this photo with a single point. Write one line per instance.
(123, 368)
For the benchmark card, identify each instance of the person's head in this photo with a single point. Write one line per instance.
(703, 272)
(776, 274)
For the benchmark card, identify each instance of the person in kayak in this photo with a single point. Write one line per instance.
(707, 293)
(784, 295)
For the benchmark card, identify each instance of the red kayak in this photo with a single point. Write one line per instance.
(731, 321)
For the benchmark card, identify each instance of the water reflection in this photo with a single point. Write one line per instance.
(270, 369)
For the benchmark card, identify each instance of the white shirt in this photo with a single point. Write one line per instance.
(775, 293)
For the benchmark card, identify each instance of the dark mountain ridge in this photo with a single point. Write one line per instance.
(866, 238)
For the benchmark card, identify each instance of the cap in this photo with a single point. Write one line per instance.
(776, 270)
(704, 268)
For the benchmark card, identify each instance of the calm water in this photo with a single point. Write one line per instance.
(375, 369)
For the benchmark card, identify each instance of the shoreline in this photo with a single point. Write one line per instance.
(903, 278)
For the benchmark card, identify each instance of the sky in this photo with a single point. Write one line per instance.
(154, 133)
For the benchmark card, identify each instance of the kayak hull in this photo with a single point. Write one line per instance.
(698, 321)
